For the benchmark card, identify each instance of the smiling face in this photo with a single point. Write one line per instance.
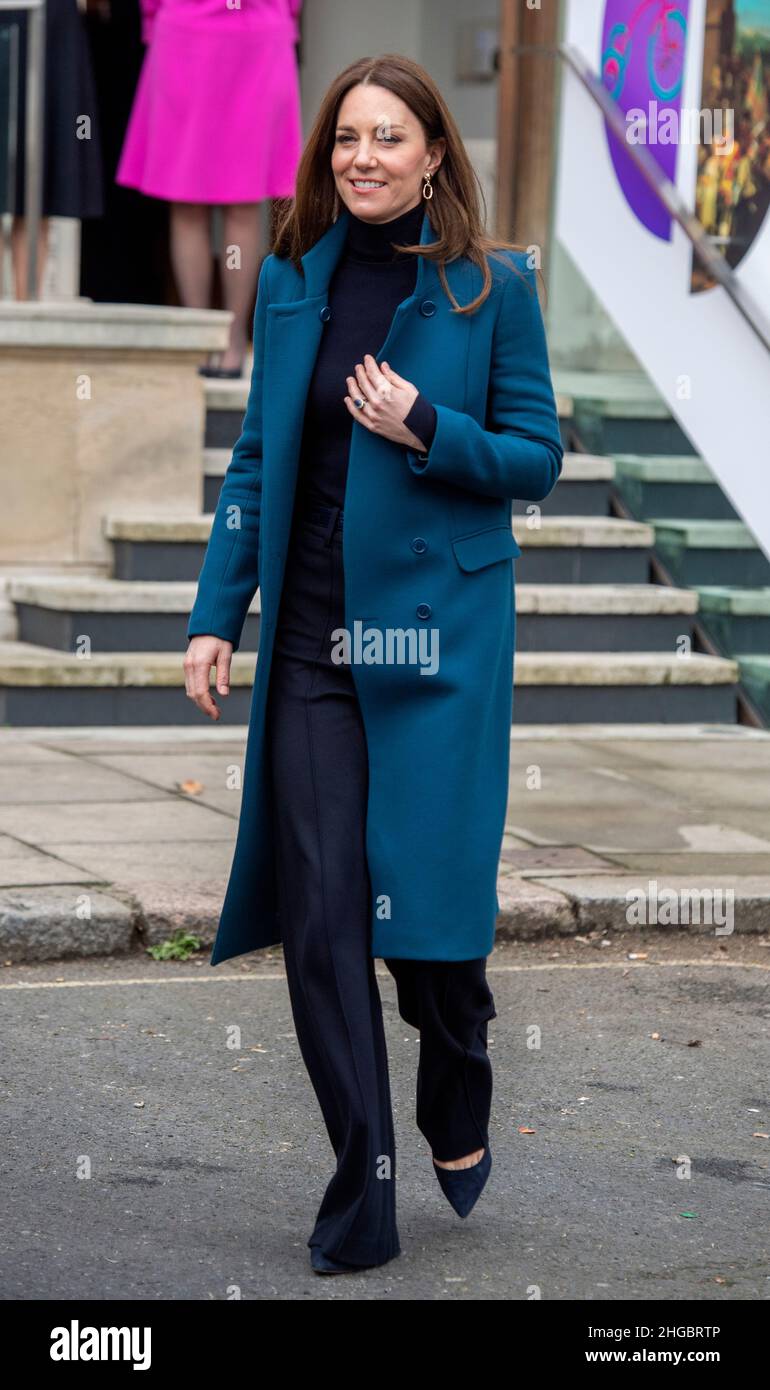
(380, 154)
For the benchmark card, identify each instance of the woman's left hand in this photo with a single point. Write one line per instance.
(388, 397)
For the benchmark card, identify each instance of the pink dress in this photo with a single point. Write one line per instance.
(216, 114)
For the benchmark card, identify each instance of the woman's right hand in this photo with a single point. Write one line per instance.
(203, 653)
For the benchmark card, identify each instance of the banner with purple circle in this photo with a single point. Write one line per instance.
(642, 67)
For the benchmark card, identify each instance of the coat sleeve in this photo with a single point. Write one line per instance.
(520, 455)
(229, 576)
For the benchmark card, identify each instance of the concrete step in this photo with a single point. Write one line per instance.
(118, 615)
(622, 687)
(561, 550)
(43, 686)
(610, 411)
(40, 685)
(158, 547)
(710, 552)
(671, 485)
(226, 403)
(115, 615)
(215, 465)
(602, 617)
(619, 412)
(755, 675)
(737, 619)
(583, 550)
(225, 408)
(582, 490)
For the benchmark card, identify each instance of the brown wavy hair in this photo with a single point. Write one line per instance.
(455, 210)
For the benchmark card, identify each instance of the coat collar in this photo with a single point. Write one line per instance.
(320, 261)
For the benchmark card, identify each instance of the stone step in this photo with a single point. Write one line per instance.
(576, 468)
(623, 687)
(737, 619)
(43, 686)
(151, 615)
(226, 403)
(158, 547)
(215, 462)
(225, 397)
(629, 391)
(215, 465)
(583, 550)
(582, 490)
(710, 552)
(620, 412)
(755, 675)
(40, 685)
(561, 531)
(671, 485)
(611, 411)
(116, 615)
(603, 617)
(586, 468)
(563, 549)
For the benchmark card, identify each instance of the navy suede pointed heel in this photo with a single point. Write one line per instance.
(322, 1265)
(462, 1187)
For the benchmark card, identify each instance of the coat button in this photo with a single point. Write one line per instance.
(325, 313)
(419, 545)
(427, 308)
(424, 610)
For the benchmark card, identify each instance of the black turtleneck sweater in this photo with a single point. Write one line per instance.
(369, 282)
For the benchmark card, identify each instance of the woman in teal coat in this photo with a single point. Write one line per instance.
(376, 773)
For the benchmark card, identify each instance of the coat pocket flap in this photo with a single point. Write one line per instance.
(484, 547)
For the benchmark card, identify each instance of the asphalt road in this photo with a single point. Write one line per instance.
(144, 1158)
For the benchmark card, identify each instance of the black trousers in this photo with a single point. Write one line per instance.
(319, 770)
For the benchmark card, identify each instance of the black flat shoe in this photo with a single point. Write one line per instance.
(462, 1187)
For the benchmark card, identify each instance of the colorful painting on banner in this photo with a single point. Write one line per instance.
(733, 188)
(642, 66)
(698, 349)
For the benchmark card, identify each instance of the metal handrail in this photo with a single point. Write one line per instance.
(668, 194)
(33, 161)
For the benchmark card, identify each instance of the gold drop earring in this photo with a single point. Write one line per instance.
(427, 188)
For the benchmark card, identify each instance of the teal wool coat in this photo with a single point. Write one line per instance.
(427, 544)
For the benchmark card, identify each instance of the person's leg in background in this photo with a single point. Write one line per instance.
(450, 1003)
(190, 248)
(320, 781)
(241, 259)
(19, 254)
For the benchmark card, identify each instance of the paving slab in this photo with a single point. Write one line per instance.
(33, 869)
(162, 818)
(60, 781)
(595, 813)
(216, 776)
